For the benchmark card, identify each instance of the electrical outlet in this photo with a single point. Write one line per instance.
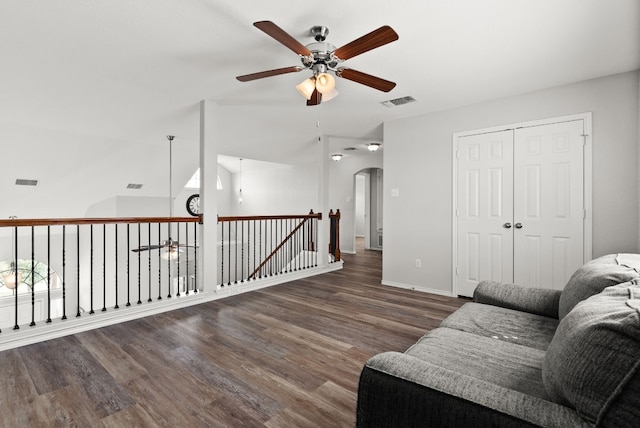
(418, 263)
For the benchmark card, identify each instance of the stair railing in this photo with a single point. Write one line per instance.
(255, 247)
(54, 268)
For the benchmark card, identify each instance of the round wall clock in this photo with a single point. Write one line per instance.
(193, 205)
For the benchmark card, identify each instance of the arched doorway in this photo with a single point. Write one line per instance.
(368, 209)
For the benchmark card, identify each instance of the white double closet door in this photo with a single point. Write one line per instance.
(520, 206)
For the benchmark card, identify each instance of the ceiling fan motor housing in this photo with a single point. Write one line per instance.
(321, 53)
(319, 32)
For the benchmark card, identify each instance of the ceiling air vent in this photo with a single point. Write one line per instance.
(26, 182)
(349, 149)
(398, 101)
(134, 186)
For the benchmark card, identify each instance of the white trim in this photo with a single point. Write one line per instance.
(10, 339)
(587, 118)
(416, 288)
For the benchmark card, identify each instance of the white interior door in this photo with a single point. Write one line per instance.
(484, 209)
(548, 203)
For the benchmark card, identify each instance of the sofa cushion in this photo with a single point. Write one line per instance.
(595, 276)
(515, 367)
(593, 361)
(504, 324)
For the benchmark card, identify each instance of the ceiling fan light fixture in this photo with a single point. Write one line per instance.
(331, 95)
(372, 147)
(325, 83)
(307, 87)
(172, 253)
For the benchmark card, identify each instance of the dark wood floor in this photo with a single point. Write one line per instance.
(286, 356)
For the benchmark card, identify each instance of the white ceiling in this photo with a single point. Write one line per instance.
(119, 75)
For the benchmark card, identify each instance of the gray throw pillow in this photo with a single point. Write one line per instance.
(593, 361)
(593, 277)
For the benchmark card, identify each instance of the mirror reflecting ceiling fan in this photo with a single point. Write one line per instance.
(323, 59)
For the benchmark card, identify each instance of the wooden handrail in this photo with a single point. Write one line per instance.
(104, 220)
(269, 217)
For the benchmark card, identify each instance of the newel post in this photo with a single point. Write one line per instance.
(334, 234)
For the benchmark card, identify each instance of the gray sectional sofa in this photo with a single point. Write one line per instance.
(520, 357)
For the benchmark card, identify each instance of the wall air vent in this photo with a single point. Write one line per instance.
(134, 186)
(26, 182)
(398, 101)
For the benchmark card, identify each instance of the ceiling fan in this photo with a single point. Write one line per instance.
(322, 57)
(174, 248)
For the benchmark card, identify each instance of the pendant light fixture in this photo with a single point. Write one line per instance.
(173, 251)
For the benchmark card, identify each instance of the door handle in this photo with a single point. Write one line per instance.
(507, 225)
(518, 225)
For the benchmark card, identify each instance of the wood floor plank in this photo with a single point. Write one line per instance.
(285, 356)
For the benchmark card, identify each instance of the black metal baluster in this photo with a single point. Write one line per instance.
(91, 311)
(236, 258)
(169, 255)
(279, 254)
(64, 273)
(159, 262)
(115, 226)
(291, 247)
(241, 251)
(275, 250)
(304, 252)
(104, 267)
(149, 260)
(178, 261)
(260, 247)
(229, 230)
(222, 254)
(272, 258)
(195, 257)
(78, 267)
(294, 244)
(186, 240)
(33, 277)
(139, 270)
(128, 266)
(254, 246)
(15, 273)
(48, 274)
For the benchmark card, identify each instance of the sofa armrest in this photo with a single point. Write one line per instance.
(397, 389)
(539, 301)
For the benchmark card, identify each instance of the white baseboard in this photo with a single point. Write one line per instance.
(257, 284)
(58, 328)
(416, 288)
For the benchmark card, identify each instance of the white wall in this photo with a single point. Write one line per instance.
(280, 190)
(417, 162)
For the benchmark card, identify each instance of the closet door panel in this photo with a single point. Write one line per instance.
(548, 203)
(484, 207)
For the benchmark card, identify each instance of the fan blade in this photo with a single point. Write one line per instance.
(269, 73)
(282, 36)
(316, 98)
(374, 39)
(147, 248)
(365, 79)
